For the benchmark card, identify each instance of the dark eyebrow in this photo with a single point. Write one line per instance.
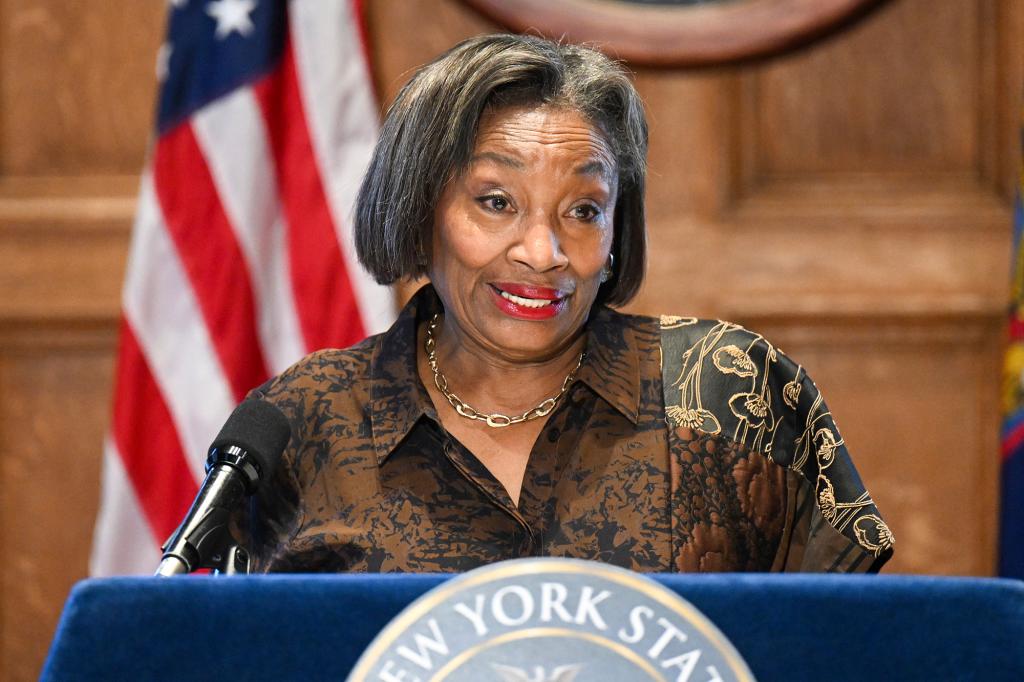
(498, 158)
(594, 168)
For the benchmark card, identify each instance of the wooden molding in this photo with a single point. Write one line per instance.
(77, 204)
(679, 36)
(923, 199)
(55, 336)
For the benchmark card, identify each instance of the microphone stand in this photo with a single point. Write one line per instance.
(203, 540)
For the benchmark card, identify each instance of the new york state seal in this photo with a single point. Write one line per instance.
(550, 620)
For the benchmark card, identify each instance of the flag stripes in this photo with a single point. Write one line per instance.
(143, 425)
(326, 41)
(312, 245)
(162, 309)
(241, 258)
(119, 519)
(233, 138)
(210, 256)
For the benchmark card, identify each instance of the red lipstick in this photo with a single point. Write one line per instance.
(530, 291)
(523, 312)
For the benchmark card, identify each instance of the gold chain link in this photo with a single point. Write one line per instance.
(494, 420)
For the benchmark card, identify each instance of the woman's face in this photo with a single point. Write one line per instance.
(521, 237)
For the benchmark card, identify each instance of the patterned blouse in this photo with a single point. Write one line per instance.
(745, 470)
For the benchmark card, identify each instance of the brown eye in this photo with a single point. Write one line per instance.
(494, 202)
(585, 212)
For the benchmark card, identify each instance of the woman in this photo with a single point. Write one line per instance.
(509, 411)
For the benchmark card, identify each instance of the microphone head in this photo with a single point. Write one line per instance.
(260, 430)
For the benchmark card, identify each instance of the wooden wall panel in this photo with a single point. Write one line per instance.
(407, 35)
(76, 85)
(63, 256)
(899, 92)
(54, 400)
(688, 171)
(76, 101)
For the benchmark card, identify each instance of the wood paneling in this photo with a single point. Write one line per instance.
(850, 201)
(899, 92)
(63, 244)
(76, 101)
(54, 388)
(407, 35)
(76, 85)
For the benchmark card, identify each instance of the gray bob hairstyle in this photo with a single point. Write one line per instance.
(430, 130)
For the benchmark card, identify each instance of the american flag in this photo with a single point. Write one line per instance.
(241, 258)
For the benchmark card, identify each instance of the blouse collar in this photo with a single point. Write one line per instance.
(398, 398)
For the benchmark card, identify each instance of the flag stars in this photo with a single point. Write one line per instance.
(231, 16)
(163, 61)
(177, 4)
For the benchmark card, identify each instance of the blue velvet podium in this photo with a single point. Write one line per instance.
(787, 627)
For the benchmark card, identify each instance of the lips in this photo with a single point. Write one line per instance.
(528, 302)
(530, 291)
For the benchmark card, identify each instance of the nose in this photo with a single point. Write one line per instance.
(539, 246)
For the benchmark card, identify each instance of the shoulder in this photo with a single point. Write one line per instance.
(620, 329)
(721, 378)
(678, 331)
(331, 368)
(729, 348)
(330, 381)
(708, 332)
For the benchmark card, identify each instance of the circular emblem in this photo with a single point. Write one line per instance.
(679, 32)
(550, 620)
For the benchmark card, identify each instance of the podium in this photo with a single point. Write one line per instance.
(314, 627)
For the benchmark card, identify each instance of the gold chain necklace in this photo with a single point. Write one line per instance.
(494, 420)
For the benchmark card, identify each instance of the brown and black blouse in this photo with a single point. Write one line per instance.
(682, 445)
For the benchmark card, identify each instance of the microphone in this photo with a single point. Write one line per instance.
(243, 455)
